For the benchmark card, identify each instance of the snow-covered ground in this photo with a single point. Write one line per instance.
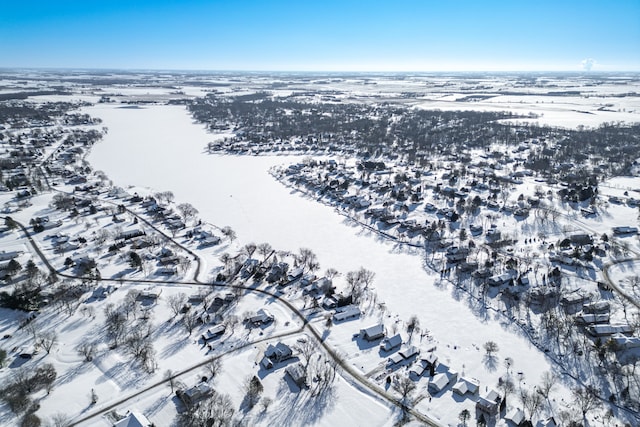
(160, 147)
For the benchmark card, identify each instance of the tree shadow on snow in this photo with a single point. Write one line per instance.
(299, 407)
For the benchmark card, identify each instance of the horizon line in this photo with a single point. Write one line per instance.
(293, 71)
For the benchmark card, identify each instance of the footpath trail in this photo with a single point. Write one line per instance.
(353, 376)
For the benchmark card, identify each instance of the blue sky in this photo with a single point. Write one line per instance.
(327, 35)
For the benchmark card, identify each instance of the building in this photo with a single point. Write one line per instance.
(489, 403)
(133, 419)
(390, 343)
(345, 313)
(194, 394)
(262, 317)
(466, 385)
(372, 333)
(515, 416)
(297, 374)
(213, 333)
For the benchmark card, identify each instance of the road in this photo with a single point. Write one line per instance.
(353, 374)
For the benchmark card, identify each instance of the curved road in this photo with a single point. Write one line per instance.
(355, 375)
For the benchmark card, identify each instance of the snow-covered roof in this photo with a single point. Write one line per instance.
(133, 419)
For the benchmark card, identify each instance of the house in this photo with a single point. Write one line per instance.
(390, 343)
(148, 295)
(277, 272)
(515, 416)
(277, 353)
(466, 385)
(345, 313)
(590, 319)
(456, 254)
(489, 402)
(262, 317)
(441, 380)
(130, 234)
(606, 330)
(431, 360)
(297, 373)
(329, 303)
(409, 352)
(500, 279)
(194, 394)
(418, 370)
(581, 239)
(213, 333)
(623, 342)
(295, 274)
(597, 307)
(209, 241)
(372, 333)
(573, 302)
(625, 230)
(133, 419)
(166, 271)
(8, 256)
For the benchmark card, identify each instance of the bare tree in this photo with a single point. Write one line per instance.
(366, 277)
(249, 249)
(216, 411)
(169, 376)
(47, 340)
(307, 349)
(264, 249)
(531, 402)
(230, 322)
(491, 347)
(307, 259)
(213, 366)
(506, 386)
(266, 402)
(464, 416)
(60, 420)
(129, 305)
(228, 231)
(166, 196)
(187, 211)
(548, 382)
(87, 350)
(190, 321)
(404, 386)
(586, 399)
(177, 302)
(331, 273)
(115, 324)
(413, 325)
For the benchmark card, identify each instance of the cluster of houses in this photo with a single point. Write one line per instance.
(440, 376)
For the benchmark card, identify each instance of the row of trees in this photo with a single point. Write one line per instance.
(123, 329)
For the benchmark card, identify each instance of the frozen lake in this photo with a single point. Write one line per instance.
(161, 148)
